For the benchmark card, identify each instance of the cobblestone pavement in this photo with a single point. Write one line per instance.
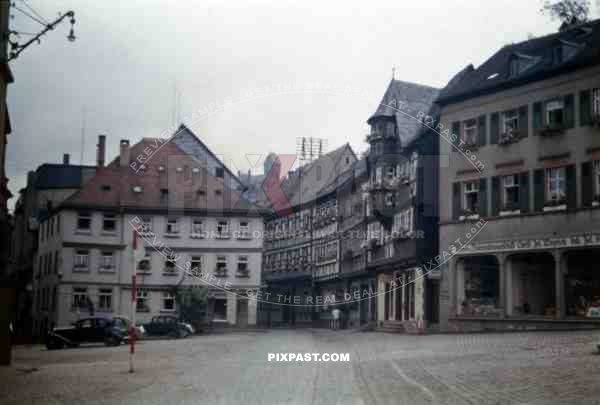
(516, 368)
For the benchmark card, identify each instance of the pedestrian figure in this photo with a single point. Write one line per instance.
(335, 315)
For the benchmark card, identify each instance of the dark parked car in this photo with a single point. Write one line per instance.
(85, 330)
(167, 325)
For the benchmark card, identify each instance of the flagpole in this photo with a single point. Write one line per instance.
(133, 304)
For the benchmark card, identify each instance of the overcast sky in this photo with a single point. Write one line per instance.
(130, 56)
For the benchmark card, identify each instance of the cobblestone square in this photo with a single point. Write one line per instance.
(513, 368)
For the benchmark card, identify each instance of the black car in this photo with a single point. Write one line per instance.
(95, 329)
(166, 325)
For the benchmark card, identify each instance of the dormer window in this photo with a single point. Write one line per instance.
(520, 63)
(137, 189)
(563, 51)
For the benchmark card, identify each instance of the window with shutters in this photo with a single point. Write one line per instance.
(555, 186)
(471, 197)
(470, 134)
(510, 192)
(555, 113)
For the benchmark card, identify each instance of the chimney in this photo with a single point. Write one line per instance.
(124, 155)
(100, 150)
(65, 158)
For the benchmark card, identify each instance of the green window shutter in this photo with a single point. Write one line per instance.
(481, 130)
(523, 121)
(538, 121)
(571, 186)
(524, 192)
(483, 197)
(587, 184)
(494, 128)
(585, 108)
(539, 194)
(496, 196)
(569, 111)
(456, 206)
(455, 132)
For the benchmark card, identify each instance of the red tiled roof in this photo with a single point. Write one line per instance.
(113, 185)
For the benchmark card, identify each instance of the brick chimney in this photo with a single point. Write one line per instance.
(124, 154)
(100, 150)
(66, 158)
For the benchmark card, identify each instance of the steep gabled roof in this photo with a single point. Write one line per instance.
(313, 180)
(494, 74)
(403, 101)
(113, 186)
(179, 134)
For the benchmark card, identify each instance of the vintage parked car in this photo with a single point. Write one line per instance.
(168, 325)
(93, 329)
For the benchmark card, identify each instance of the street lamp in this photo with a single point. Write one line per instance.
(16, 49)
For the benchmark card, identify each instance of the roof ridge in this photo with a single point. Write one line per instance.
(416, 84)
(551, 34)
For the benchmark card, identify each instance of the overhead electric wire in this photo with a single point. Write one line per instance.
(30, 16)
(34, 11)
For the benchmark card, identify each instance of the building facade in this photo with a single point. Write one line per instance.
(519, 196)
(301, 245)
(401, 207)
(196, 232)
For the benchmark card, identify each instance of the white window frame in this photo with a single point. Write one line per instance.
(197, 228)
(221, 260)
(555, 184)
(378, 175)
(81, 261)
(554, 105)
(197, 265)
(107, 260)
(470, 187)
(509, 116)
(470, 131)
(170, 264)
(510, 181)
(145, 227)
(142, 301)
(243, 260)
(105, 296)
(222, 229)
(79, 297)
(390, 172)
(244, 230)
(172, 226)
(168, 296)
(147, 258)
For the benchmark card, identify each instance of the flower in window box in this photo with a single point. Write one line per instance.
(510, 136)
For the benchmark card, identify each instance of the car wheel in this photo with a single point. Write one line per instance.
(54, 344)
(174, 334)
(112, 341)
(183, 333)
